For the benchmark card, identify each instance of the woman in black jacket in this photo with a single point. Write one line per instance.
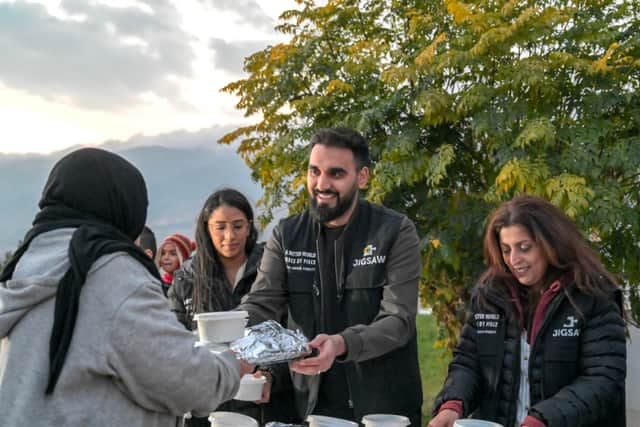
(217, 277)
(544, 343)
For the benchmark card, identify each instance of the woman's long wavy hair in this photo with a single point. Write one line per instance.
(564, 248)
(211, 292)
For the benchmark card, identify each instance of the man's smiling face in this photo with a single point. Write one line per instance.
(333, 181)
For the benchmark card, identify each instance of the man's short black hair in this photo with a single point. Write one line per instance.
(148, 241)
(344, 138)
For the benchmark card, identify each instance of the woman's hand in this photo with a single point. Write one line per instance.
(245, 368)
(445, 418)
(266, 389)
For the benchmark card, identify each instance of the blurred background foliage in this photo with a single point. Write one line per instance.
(465, 104)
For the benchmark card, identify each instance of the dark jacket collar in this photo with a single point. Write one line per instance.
(356, 211)
(253, 261)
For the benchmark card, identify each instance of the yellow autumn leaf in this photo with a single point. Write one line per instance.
(440, 344)
(458, 10)
(426, 56)
(338, 85)
(508, 7)
(602, 65)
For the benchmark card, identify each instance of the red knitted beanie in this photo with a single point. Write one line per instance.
(182, 242)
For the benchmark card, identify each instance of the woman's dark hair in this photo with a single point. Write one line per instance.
(148, 241)
(211, 292)
(564, 248)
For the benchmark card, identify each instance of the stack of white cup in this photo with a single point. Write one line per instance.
(231, 419)
(371, 420)
(324, 421)
(470, 422)
(385, 420)
(219, 328)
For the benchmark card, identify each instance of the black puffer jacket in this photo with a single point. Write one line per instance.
(281, 406)
(576, 370)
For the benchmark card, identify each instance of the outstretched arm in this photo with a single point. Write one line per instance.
(267, 299)
(395, 323)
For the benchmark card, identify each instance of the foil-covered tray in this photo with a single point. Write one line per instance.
(269, 343)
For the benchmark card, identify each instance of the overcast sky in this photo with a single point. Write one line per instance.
(85, 71)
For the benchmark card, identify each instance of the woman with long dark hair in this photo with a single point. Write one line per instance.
(225, 264)
(216, 278)
(544, 342)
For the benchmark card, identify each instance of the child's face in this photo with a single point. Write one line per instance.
(169, 260)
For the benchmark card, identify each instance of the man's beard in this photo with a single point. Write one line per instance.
(324, 213)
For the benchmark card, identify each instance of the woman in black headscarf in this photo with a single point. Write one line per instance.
(104, 198)
(112, 332)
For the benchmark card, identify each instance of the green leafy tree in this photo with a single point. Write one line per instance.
(465, 105)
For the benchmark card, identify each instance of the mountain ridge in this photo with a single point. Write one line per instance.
(181, 169)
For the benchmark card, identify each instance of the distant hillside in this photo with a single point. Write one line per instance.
(180, 175)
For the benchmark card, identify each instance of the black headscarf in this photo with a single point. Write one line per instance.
(104, 197)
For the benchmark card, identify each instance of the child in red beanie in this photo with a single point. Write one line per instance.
(174, 250)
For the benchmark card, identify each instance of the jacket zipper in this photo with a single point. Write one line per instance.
(552, 308)
(339, 277)
(316, 288)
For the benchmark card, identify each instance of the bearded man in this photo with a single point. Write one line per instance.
(347, 271)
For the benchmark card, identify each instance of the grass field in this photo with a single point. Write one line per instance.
(433, 362)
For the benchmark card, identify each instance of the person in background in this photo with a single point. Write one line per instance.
(220, 273)
(147, 241)
(85, 335)
(347, 271)
(544, 342)
(172, 252)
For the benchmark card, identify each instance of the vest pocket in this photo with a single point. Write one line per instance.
(363, 299)
(355, 281)
(301, 309)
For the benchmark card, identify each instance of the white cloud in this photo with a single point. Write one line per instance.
(245, 12)
(229, 55)
(84, 71)
(93, 63)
